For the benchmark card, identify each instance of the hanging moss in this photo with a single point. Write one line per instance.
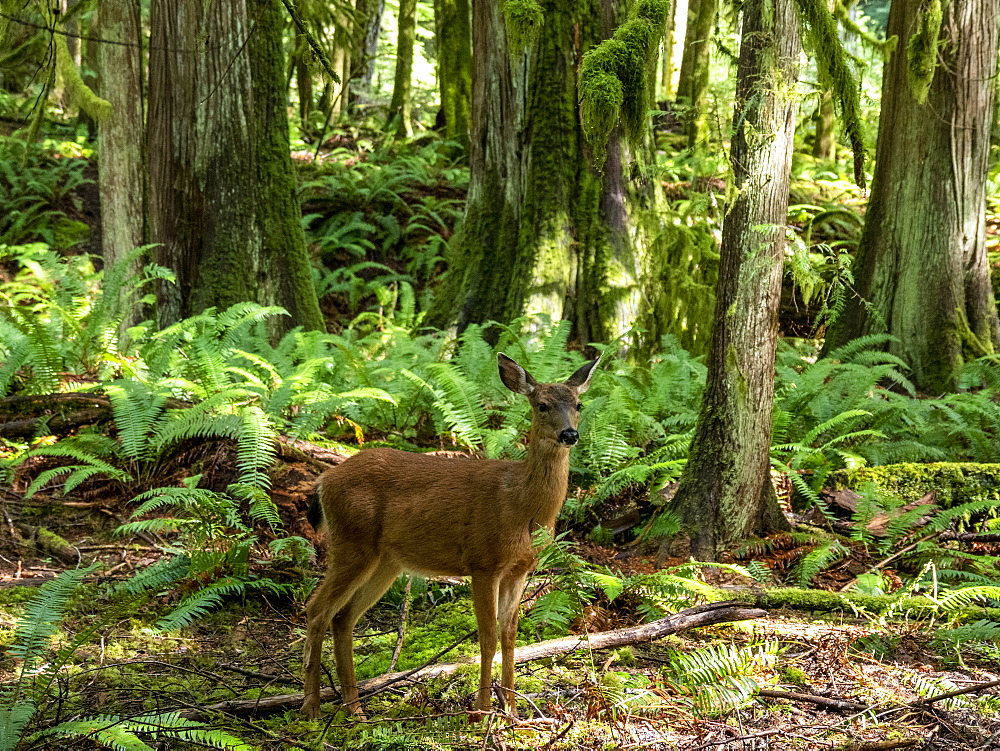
(921, 50)
(78, 92)
(680, 300)
(523, 19)
(837, 75)
(628, 56)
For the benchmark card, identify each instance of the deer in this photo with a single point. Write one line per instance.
(386, 511)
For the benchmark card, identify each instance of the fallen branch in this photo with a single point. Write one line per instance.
(701, 615)
(822, 701)
(957, 692)
(57, 413)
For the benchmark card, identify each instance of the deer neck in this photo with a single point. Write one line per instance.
(544, 479)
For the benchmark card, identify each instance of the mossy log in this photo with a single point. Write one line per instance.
(955, 483)
(816, 600)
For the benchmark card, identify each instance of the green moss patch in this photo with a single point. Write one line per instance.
(955, 482)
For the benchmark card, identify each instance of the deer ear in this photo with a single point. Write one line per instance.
(580, 380)
(514, 377)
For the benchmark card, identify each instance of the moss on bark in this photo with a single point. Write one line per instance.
(544, 231)
(223, 202)
(454, 46)
(725, 493)
(921, 271)
(399, 108)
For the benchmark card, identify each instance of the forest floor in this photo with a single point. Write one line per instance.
(634, 697)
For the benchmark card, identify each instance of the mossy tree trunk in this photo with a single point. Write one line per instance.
(544, 232)
(666, 90)
(453, 33)
(725, 493)
(823, 120)
(921, 272)
(369, 14)
(398, 121)
(222, 192)
(692, 83)
(120, 135)
(301, 55)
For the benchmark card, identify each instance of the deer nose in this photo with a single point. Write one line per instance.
(569, 437)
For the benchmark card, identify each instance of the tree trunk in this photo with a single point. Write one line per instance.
(366, 48)
(667, 55)
(823, 143)
(921, 272)
(692, 84)
(303, 81)
(725, 494)
(454, 56)
(120, 136)
(398, 121)
(544, 232)
(222, 192)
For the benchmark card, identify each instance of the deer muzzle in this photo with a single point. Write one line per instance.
(569, 437)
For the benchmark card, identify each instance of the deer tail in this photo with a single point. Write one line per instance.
(315, 513)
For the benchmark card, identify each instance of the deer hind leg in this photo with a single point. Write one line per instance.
(343, 630)
(343, 579)
(484, 597)
(510, 603)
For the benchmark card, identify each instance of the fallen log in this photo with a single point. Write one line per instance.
(24, 416)
(701, 615)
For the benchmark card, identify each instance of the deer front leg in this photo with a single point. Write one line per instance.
(484, 597)
(337, 589)
(510, 605)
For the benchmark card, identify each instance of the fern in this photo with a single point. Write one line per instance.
(818, 559)
(719, 678)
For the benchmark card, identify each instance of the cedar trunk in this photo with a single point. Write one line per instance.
(544, 231)
(120, 137)
(222, 192)
(399, 107)
(692, 83)
(921, 272)
(725, 493)
(453, 32)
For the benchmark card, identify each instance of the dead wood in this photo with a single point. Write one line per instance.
(24, 416)
(701, 615)
(293, 449)
(951, 694)
(821, 701)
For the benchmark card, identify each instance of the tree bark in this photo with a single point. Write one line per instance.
(222, 192)
(453, 32)
(692, 84)
(121, 136)
(398, 121)
(369, 13)
(823, 142)
(921, 272)
(545, 232)
(725, 493)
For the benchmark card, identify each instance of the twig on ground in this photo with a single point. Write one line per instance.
(822, 701)
(952, 694)
(269, 677)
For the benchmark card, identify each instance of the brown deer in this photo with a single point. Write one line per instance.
(387, 511)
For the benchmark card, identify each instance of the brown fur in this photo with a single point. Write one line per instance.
(388, 511)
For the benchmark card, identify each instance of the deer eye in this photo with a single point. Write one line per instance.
(543, 407)
(579, 407)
